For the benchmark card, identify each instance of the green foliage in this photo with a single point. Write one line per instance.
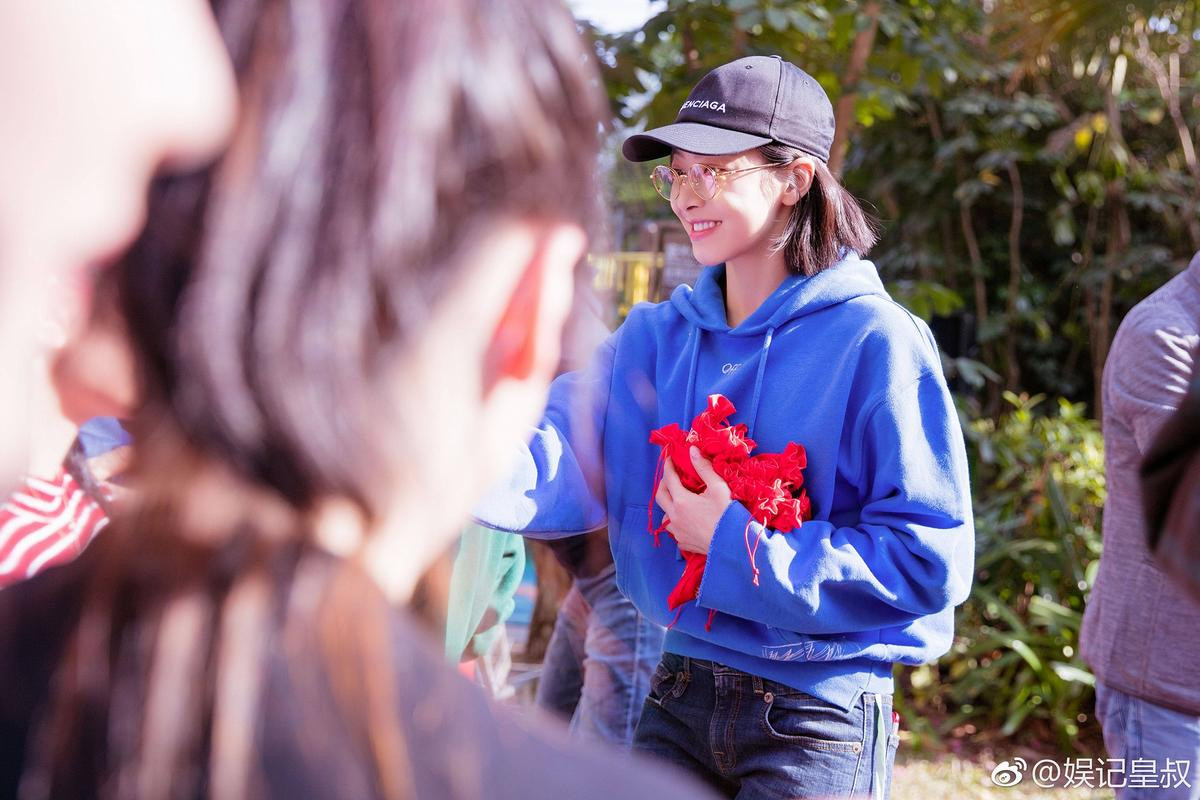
(1019, 153)
(925, 298)
(1039, 490)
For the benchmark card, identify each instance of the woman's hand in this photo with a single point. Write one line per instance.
(692, 518)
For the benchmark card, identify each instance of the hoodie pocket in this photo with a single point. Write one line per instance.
(628, 531)
(635, 554)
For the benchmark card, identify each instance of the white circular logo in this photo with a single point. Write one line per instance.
(1009, 773)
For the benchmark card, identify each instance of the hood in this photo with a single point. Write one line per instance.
(795, 297)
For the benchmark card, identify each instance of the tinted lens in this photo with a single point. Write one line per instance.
(704, 181)
(663, 179)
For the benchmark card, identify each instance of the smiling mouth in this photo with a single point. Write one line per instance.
(702, 228)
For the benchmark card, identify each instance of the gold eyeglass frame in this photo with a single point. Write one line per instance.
(719, 177)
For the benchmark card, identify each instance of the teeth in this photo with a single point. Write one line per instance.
(703, 226)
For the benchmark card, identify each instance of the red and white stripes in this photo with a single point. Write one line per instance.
(45, 523)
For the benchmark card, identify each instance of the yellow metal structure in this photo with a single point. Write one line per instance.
(624, 279)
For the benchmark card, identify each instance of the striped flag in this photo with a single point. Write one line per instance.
(45, 523)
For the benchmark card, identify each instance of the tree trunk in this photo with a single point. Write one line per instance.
(979, 282)
(690, 54)
(945, 224)
(1012, 368)
(1166, 77)
(843, 111)
(1100, 305)
(740, 40)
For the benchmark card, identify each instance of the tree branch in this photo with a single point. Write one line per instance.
(843, 111)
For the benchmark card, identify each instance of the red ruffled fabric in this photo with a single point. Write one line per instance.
(768, 484)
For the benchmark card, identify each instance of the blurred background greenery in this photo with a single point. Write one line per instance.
(1035, 169)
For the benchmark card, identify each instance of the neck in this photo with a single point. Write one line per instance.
(405, 541)
(750, 281)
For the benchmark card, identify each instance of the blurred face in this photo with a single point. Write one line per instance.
(97, 97)
(742, 219)
(471, 388)
(94, 374)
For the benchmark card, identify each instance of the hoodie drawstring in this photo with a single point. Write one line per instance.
(659, 468)
(752, 552)
(690, 401)
(758, 379)
(712, 612)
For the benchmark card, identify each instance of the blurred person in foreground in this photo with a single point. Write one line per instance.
(96, 99)
(80, 451)
(1141, 631)
(338, 327)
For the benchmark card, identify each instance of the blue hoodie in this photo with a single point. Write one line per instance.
(830, 362)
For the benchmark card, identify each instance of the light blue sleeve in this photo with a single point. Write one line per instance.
(555, 487)
(910, 555)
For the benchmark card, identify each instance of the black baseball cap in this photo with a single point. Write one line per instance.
(742, 105)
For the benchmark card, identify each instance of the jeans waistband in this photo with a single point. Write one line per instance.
(716, 669)
(757, 683)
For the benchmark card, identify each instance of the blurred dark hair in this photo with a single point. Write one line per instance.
(384, 137)
(267, 299)
(827, 221)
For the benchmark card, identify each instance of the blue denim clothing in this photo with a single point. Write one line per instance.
(1138, 729)
(751, 738)
(599, 662)
(99, 435)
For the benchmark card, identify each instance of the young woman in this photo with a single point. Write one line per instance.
(406, 189)
(777, 681)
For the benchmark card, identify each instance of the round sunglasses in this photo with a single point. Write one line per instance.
(706, 181)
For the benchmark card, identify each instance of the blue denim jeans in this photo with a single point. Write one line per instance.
(599, 661)
(1137, 729)
(754, 738)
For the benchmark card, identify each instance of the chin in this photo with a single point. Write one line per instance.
(707, 255)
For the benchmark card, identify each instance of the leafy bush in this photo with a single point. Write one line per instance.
(1039, 491)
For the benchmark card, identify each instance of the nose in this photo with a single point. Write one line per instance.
(686, 198)
(194, 99)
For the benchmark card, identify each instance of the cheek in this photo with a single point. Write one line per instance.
(16, 361)
(73, 172)
(437, 400)
(757, 211)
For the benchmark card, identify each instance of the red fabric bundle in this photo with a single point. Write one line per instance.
(768, 484)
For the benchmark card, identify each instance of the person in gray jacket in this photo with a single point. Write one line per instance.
(1171, 494)
(1141, 631)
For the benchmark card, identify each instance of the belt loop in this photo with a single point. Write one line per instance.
(757, 683)
(687, 665)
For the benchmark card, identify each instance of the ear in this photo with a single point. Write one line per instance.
(526, 342)
(799, 181)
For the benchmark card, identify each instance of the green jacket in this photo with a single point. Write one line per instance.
(483, 585)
